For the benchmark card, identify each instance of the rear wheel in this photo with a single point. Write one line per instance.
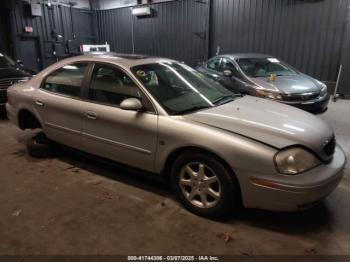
(39, 146)
(204, 185)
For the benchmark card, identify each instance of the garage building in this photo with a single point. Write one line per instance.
(77, 204)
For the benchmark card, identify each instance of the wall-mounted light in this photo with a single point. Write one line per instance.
(143, 2)
(142, 11)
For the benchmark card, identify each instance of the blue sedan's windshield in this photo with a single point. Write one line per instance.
(179, 88)
(263, 67)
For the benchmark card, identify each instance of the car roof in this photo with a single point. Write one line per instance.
(245, 55)
(118, 55)
(126, 60)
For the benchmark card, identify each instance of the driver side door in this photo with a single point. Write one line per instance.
(212, 68)
(128, 137)
(233, 82)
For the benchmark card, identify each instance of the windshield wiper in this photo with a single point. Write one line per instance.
(225, 99)
(191, 110)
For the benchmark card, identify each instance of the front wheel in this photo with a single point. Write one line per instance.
(204, 185)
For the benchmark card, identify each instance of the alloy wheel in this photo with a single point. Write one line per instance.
(200, 185)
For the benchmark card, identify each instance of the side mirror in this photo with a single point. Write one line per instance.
(227, 73)
(132, 104)
(19, 62)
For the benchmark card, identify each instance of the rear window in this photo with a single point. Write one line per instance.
(67, 80)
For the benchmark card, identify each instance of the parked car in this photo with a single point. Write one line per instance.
(218, 149)
(268, 77)
(10, 73)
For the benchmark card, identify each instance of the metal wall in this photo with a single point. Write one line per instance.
(4, 31)
(110, 4)
(306, 34)
(177, 30)
(74, 25)
(115, 27)
(344, 83)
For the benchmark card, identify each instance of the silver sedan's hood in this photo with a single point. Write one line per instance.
(270, 122)
(293, 84)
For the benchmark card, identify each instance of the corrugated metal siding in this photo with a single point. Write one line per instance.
(111, 4)
(344, 84)
(4, 31)
(114, 27)
(71, 23)
(178, 30)
(305, 34)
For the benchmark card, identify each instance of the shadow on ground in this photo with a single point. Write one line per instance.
(297, 223)
(106, 168)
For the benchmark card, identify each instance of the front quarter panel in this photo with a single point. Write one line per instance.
(237, 151)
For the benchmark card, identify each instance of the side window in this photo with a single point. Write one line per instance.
(66, 80)
(214, 64)
(110, 85)
(228, 65)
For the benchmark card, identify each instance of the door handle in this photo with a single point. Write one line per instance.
(91, 115)
(39, 103)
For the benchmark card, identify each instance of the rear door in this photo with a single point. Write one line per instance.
(58, 102)
(128, 137)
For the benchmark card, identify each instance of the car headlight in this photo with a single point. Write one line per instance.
(295, 160)
(267, 94)
(323, 89)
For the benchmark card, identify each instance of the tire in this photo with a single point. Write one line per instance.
(190, 188)
(39, 146)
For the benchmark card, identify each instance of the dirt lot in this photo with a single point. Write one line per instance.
(73, 204)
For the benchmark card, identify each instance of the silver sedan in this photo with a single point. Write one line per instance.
(218, 149)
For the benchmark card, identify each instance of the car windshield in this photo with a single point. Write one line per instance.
(263, 67)
(181, 89)
(6, 61)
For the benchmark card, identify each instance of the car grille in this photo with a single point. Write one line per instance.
(6, 83)
(329, 147)
(301, 97)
